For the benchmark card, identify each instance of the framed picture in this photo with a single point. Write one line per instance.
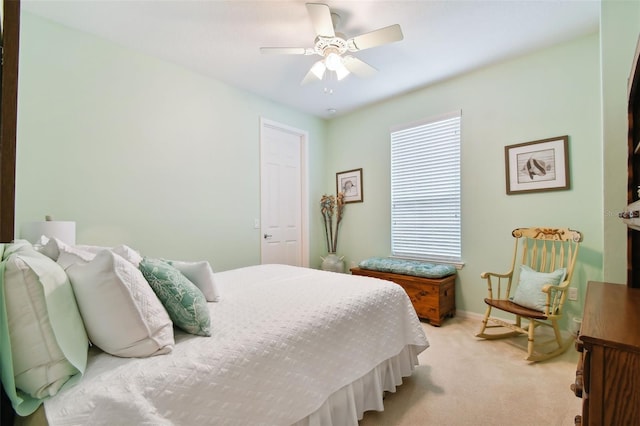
(537, 166)
(350, 183)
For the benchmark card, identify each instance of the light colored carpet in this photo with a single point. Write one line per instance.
(463, 380)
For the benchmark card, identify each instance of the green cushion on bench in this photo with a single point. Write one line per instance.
(408, 267)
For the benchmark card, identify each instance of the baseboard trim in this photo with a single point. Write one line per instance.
(470, 315)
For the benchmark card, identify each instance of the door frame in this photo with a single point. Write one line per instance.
(10, 33)
(304, 183)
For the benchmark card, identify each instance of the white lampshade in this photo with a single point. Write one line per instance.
(62, 230)
(318, 69)
(341, 71)
(333, 61)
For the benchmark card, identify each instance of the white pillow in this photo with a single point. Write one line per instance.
(125, 251)
(42, 240)
(54, 248)
(66, 255)
(129, 254)
(91, 249)
(70, 255)
(48, 340)
(68, 258)
(51, 248)
(121, 312)
(201, 274)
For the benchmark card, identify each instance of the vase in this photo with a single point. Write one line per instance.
(332, 262)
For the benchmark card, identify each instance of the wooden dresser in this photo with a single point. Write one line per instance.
(608, 374)
(434, 299)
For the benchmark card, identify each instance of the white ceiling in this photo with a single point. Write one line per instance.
(221, 39)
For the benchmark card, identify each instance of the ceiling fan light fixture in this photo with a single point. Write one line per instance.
(332, 45)
(318, 69)
(333, 61)
(341, 71)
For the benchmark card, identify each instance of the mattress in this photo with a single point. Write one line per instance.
(286, 340)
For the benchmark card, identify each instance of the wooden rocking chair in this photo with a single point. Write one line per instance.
(548, 257)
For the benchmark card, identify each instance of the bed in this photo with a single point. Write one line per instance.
(288, 346)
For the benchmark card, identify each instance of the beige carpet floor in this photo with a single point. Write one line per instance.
(462, 380)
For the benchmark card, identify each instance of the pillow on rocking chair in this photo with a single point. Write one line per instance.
(529, 291)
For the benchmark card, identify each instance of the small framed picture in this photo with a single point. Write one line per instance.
(541, 165)
(350, 183)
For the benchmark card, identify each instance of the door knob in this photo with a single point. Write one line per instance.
(267, 236)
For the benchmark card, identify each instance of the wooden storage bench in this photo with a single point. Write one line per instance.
(434, 299)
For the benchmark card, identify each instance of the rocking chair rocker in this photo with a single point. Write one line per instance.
(548, 257)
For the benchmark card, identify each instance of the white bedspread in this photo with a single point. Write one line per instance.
(284, 339)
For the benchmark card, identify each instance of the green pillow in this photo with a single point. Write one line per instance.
(184, 302)
(529, 291)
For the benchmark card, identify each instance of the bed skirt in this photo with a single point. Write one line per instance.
(347, 405)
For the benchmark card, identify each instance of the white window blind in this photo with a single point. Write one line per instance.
(425, 190)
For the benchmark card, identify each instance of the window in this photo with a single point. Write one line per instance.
(425, 190)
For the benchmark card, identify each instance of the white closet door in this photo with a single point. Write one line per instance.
(281, 194)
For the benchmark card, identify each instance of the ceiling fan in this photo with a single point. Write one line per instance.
(332, 46)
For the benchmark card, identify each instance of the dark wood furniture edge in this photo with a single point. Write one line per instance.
(9, 116)
(611, 330)
(8, 124)
(609, 363)
(633, 167)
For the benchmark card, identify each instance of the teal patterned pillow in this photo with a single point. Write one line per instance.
(184, 302)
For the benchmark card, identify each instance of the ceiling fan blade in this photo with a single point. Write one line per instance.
(375, 38)
(320, 15)
(358, 67)
(286, 51)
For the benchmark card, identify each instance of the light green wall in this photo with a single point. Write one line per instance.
(620, 27)
(141, 152)
(551, 93)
